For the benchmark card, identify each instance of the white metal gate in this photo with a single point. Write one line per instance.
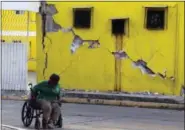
(14, 66)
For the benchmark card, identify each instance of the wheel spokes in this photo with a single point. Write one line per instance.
(27, 114)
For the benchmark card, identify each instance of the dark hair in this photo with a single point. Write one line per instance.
(54, 77)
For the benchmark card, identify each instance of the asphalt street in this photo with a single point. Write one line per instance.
(96, 117)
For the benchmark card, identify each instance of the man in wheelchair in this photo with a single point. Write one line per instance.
(47, 95)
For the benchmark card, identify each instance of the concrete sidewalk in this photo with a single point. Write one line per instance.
(8, 127)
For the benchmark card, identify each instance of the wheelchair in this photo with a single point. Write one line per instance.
(31, 110)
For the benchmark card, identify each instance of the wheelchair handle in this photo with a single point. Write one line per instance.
(30, 84)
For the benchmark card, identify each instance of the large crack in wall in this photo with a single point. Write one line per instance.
(43, 16)
(48, 25)
(142, 65)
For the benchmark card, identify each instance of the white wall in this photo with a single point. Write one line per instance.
(14, 66)
(29, 6)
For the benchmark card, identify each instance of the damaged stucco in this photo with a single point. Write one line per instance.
(120, 54)
(141, 64)
(48, 25)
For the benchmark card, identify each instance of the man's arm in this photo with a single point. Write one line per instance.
(57, 91)
(37, 87)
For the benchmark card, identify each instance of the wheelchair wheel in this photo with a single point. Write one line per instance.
(27, 114)
(60, 122)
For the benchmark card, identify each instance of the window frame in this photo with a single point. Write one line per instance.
(126, 25)
(91, 17)
(156, 8)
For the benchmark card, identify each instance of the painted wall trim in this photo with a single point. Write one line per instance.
(18, 33)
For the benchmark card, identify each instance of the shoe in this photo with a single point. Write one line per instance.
(44, 124)
(51, 125)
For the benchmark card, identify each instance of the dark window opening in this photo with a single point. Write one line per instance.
(2, 40)
(118, 26)
(19, 12)
(82, 18)
(155, 19)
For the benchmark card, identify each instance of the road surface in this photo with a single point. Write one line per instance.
(95, 117)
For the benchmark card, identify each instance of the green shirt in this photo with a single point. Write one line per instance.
(46, 91)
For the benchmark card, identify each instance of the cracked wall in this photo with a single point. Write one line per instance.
(48, 25)
(93, 69)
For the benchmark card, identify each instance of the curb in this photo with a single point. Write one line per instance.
(124, 103)
(111, 102)
(126, 97)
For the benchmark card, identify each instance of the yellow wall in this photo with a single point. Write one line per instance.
(22, 22)
(180, 49)
(95, 69)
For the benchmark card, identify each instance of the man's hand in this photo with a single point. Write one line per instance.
(60, 104)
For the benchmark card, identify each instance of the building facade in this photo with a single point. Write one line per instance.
(19, 26)
(150, 33)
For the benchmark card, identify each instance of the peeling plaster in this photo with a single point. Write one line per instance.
(49, 25)
(77, 42)
(94, 44)
(50, 9)
(120, 55)
(65, 30)
(142, 65)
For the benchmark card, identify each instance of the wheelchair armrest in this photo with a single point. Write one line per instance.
(33, 95)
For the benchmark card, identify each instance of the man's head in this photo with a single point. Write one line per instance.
(54, 79)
